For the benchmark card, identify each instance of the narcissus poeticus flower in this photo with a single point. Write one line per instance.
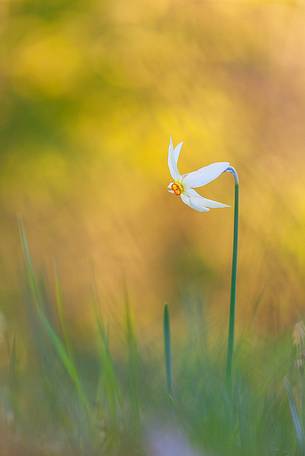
(183, 184)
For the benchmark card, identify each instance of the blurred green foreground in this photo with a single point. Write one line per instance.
(58, 398)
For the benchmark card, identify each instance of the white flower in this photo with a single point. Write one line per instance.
(183, 185)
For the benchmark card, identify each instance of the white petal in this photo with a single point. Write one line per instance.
(193, 203)
(198, 202)
(205, 175)
(173, 155)
(204, 201)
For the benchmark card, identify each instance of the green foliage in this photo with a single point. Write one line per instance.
(123, 407)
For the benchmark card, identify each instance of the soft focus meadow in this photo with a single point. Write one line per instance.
(93, 245)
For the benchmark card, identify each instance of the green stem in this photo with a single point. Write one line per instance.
(167, 349)
(233, 277)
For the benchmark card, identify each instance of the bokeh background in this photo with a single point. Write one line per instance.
(91, 91)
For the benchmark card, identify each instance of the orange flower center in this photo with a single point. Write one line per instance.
(177, 188)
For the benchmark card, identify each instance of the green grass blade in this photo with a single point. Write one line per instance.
(133, 365)
(167, 349)
(108, 385)
(295, 419)
(60, 310)
(59, 347)
(65, 358)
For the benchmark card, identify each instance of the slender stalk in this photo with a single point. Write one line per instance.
(167, 349)
(230, 348)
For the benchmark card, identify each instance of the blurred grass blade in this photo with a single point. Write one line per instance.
(65, 358)
(167, 349)
(295, 418)
(133, 364)
(60, 311)
(13, 375)
(32, 282)
(62, 353)
(108, 382)
(13, 361)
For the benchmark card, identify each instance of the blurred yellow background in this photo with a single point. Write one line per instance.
(90, 93)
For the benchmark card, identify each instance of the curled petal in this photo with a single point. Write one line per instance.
(173, 156)
(193, 203)
(206, 202)
(205, 175)
(199, 203)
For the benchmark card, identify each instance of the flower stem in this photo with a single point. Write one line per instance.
(230, 348)
(167, 349)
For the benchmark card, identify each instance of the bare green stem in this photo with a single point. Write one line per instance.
(230, 349)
